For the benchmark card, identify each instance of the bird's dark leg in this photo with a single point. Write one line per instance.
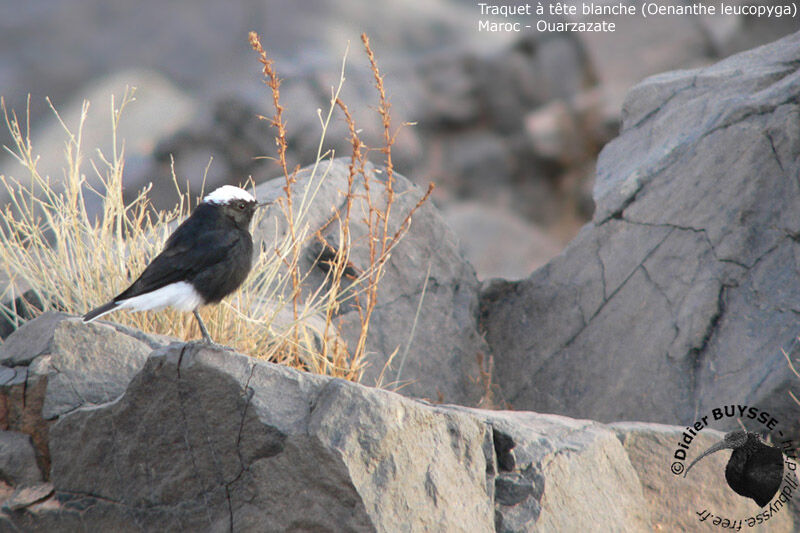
(203, 330)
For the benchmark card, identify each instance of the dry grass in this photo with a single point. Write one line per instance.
(380, 237)
(73, 262)
(793, 369)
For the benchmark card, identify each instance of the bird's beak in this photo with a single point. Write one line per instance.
(715, 448)
(264, 204)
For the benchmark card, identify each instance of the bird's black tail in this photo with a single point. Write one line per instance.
(100, 311)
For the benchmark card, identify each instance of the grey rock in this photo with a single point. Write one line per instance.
(13, 376)
(21, 401)
(74, 365)
(498, 243)
(208, 439)
(542, 482)
(441, 358)
(31, 340)
(733, 34)
(18, 459)
(27, 495)
(85, 370)
(58, 348)
(678, 41)
(650, 448)
(153, 340)
(681, 294)
(532, 71)
(568, 131)
(477, 163)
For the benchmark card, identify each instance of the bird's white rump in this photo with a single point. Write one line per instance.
(180, 295)
(227, 194)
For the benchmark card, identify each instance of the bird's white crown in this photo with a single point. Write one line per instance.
(227, 194)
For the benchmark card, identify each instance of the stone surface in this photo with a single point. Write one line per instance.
(76, 377)
(30, 341)
(28, 495)
(18, 459)
(57, 347)
(207, 439)
(682, 292)
(69, 365)
(441, 357)
(21, 401)
(674, 41)
(673, 501)
(498, 243)
(543, 484)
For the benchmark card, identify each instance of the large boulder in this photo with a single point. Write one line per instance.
(56, 348)
(683, 291)
(542, 482)
(50, 366)
(498, 243)
(207, 439)
(18, 459)
(428, 297)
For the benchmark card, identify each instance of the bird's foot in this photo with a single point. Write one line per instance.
(207, 341)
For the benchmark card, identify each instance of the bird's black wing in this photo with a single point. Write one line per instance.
(184, 255)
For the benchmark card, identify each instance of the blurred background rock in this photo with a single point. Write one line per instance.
(507, 124)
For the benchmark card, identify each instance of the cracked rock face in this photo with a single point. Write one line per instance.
(681, 293)
(204, 439)
(18, 459)
(56, 350)
(427, 299)
(51, 366)
(554, 474)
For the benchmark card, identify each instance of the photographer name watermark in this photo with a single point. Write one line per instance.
(764, 472)
(733, 411)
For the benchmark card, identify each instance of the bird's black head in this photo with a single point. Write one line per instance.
(234, 203)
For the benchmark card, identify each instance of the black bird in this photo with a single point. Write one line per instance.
(755, 468)
(206, 258)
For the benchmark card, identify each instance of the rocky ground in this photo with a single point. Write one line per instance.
(109, 429)
(682, 292)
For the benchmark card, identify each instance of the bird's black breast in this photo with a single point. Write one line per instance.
(222, 278)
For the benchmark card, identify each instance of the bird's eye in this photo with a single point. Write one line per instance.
(242, 205)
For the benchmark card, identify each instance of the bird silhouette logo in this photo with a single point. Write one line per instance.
(754, 470)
